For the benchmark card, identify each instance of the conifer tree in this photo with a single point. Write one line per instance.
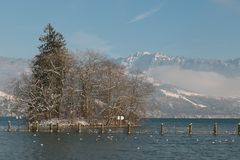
(49, 69)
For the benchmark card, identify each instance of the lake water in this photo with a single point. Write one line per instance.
(145, 142)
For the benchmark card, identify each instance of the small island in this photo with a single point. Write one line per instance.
(78, 89)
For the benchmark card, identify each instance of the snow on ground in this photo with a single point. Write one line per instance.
(174, 95)
(6, 96)
(146, 53)
(170, 94)
(63, 122)
(193, 103)
(187, 93)
(161, 56)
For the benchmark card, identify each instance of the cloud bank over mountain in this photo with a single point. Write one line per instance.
(207, 83)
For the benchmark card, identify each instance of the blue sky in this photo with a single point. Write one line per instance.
(192, 28)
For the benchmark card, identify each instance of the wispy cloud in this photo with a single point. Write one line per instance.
(84, 41)
(145, 14)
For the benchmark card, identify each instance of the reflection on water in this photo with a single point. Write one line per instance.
(139, 145)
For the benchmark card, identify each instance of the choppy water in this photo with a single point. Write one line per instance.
(144, 143)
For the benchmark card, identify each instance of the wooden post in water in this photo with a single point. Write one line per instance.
(29, 126)
(9, 126)
(190, 129)
(215, 129)
(79, 128)
(161, 129)
(58, 130)
(37, 126)
(51, 128)
(238, 130)
(102, 128)
(129, 128)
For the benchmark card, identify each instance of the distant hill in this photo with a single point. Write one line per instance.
(187, 87)
(171, 101)
(11, 68)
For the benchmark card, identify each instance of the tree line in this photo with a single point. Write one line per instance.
(85, 86)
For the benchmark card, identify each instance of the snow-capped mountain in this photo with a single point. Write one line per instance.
(187, 87)
(145, 60)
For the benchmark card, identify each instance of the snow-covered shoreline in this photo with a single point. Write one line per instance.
(63, 122)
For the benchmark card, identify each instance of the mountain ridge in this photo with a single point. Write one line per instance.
(144, 60)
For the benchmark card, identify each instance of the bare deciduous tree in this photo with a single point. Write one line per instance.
(90, 87)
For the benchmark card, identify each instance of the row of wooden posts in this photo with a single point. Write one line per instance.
(35, 127)
(79, 127)
(190, 130)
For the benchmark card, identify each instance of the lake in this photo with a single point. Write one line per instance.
(145, 142)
